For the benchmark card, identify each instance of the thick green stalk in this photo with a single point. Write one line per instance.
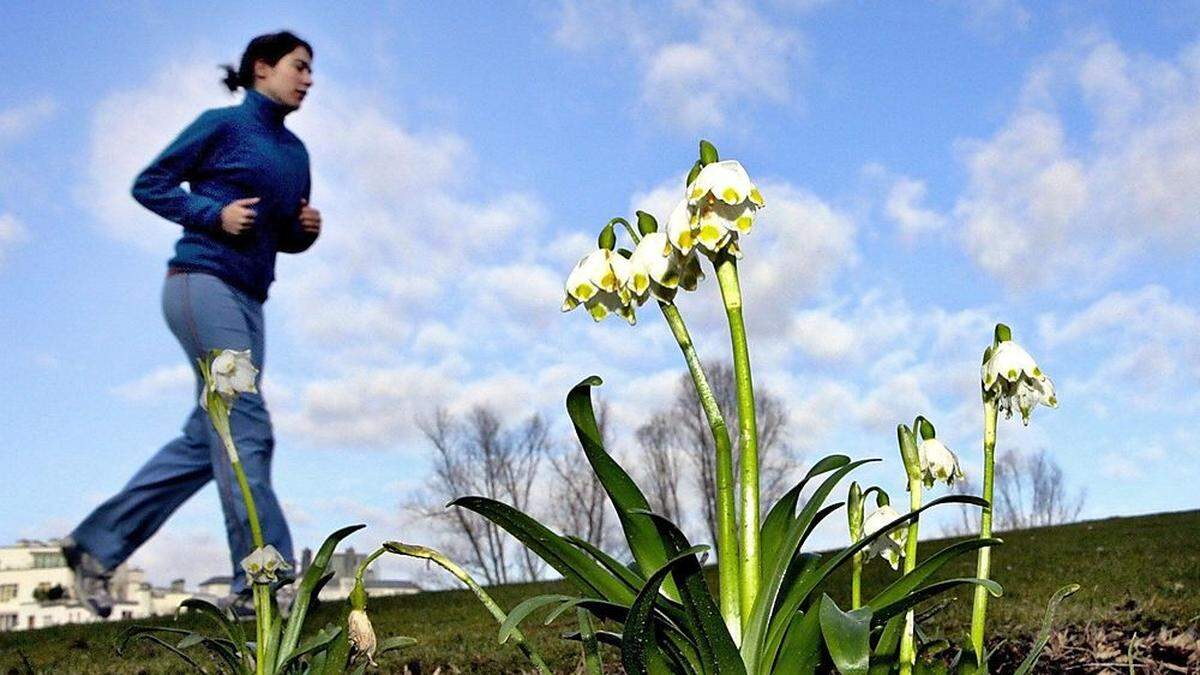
(751, 570)
(727, 545)
(984, 562)
(462, 575)
(854, 518)
(362, 566)
(908, 647)
(262, 592)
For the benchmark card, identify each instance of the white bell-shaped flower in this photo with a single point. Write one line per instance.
(657, 269)
(1015, 381)
(233, 373)
(723, 203)
(938, 463)
(263, 565)
(891, 545)
(599, 282)
(679, 228)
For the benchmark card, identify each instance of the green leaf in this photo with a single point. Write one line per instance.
(395, 642)
(718, 651)
(644, 542)
(909, 582)
(313, 643)
(775, 525)
(528, 606)
(639, 635)
(147, 633)
(802, 645)
(587, 575)
(1047, 624)
(847, 635)
(886, 648)
(223, 649)
(759, 622)
(223, 621)
(924, 593)
(794, 596)
(304, 593)
(631, 578)
(603, 636)
(591, 647)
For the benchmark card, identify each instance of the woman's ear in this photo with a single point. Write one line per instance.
(261, 70)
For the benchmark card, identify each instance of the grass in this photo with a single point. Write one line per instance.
(1141, 569)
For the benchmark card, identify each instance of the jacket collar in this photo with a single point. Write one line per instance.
(265, 109)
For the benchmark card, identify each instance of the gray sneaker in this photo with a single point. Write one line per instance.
(91, 579)
(240, 605)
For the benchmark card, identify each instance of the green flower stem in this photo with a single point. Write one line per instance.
(854, 517)
(984, 564)
(751, 571)
(414, 551)
(362, 566)
(727, 544)
(908, 647)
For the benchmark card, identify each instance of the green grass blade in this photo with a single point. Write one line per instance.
(148, 633)
(776, 523)
(223, 621)
(847, 636)
(644, 543)
(1047, 625)
(909, 582)
(587, 575)
(639, 636)
(718, 652)
(394, 643)
(304, 593)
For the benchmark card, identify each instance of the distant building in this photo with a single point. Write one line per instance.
(37, 590)
(343, 566)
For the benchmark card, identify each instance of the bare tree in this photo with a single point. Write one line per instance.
(476, 455)
(695, 438)
(1030, 491)
(580, 504)
(661, 473)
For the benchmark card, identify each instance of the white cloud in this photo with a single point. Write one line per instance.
(12, 232)
(696, 68)
(160, 383)
(19, 120)
(904, 206)
(1054, 197)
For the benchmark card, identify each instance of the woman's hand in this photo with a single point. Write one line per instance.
(238, 215)
(310, 218)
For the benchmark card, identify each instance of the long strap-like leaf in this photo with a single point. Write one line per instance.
(312, 577)
(587, 575)
(775, 525)
(639, 637)
(641, 535)
(909, 582)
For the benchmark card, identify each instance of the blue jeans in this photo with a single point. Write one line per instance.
(204, 313)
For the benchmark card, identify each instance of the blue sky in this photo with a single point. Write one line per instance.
(929, 169)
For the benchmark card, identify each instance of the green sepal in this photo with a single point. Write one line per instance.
(1002, 334)
(607, 239)
(708, 153)
(647, 224)
(691, 177)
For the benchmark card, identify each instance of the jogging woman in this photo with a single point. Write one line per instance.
(246, 200)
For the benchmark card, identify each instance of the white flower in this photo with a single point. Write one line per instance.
(938, 463)
(722, 203)
(599, 282)
(232, 372)
(264, 564)
(1013, 378)
(657, 268)
(891, 545)
(362, 635)
(679, 228)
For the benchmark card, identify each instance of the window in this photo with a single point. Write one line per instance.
(46, 560)
(7, 592)
(126, 614)
(8, 622)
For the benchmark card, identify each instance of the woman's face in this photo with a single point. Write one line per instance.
(286, 82)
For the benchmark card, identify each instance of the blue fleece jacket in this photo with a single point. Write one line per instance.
(227, 154)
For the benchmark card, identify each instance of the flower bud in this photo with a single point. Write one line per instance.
(854, 511)
(647, 224)
(607, 239)
(362, 636)
(909, 453)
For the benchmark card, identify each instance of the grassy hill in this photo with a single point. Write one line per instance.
(1142, 570)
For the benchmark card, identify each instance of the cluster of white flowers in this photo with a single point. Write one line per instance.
(1013, 379)
(718, 206)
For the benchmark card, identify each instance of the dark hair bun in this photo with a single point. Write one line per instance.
(232, 81)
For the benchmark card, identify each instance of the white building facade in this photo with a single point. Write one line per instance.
(37, 590)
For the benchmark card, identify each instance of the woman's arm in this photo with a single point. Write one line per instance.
(158, 187)
(296, 237)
